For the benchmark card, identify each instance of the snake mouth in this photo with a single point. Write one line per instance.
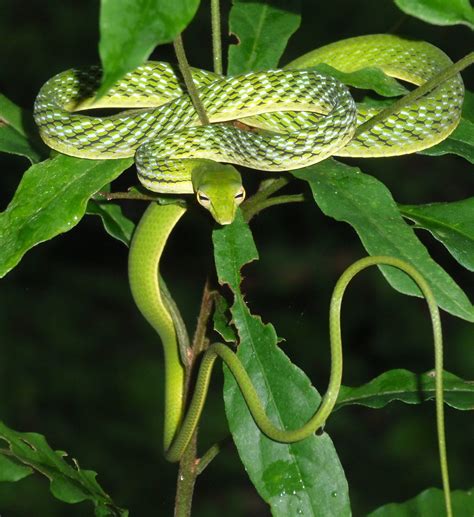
(224, 219)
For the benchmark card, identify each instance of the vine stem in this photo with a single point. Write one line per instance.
(216, 36)
(253, 209)
(188, 471)
(189, 464)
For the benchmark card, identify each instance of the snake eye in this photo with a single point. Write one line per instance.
(202, 199)
(240, 196)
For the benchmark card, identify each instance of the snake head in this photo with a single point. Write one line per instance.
(219, 189)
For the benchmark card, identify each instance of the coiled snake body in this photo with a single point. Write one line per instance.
(302, 116)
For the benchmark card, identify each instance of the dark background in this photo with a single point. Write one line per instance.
(81, 366)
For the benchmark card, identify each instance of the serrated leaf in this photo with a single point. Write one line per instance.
(262, 30)
(16, 132)
(303, 478)
(51, 199)
(115, 222)
(408, 387)
(450, 223)
(429, 503)
(344, 193)
(137, 26)
(71, 485)
(440, 12)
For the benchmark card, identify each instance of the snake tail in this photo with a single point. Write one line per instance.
(145, 253)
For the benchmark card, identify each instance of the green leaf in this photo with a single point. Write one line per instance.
(304, 478)
(51, 199)
(131, 29)
(344, 193)
(408, 387)
(440, 12)
(11, 469)
(450, 223)
(67, 483)
(365, 79)
(262, 29)
(221, 319)
(429, 503)
(12, 142)
(17, 133)
(115, 223)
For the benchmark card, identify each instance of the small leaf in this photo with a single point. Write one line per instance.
(17, 132)
(440, 12)
(303, 478)
(450, 223)
(71, 485)
(429, 503)
(115, 223)
(11, 469)
(262, 29)
(221, 321)
(131, 29)
(365, 79)
(344, 193)
(51, 199)
(408, 387)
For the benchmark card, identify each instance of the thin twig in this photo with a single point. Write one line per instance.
(254, 209)
(186, 480)
(266, 189)
(207, 457)
(188, 79)
(216, 36)
(207, 303)
(109, 196)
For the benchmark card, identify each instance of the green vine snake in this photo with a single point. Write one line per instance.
(286, 119)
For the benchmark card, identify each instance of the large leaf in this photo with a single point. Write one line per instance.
(429, 503)
(51, 199)
(304, 478)
(451, 223)
(28, 452)
(440, 12)
(344, 193)
(17, 135)
(131, 29)
(408, 387)
(262, 29)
